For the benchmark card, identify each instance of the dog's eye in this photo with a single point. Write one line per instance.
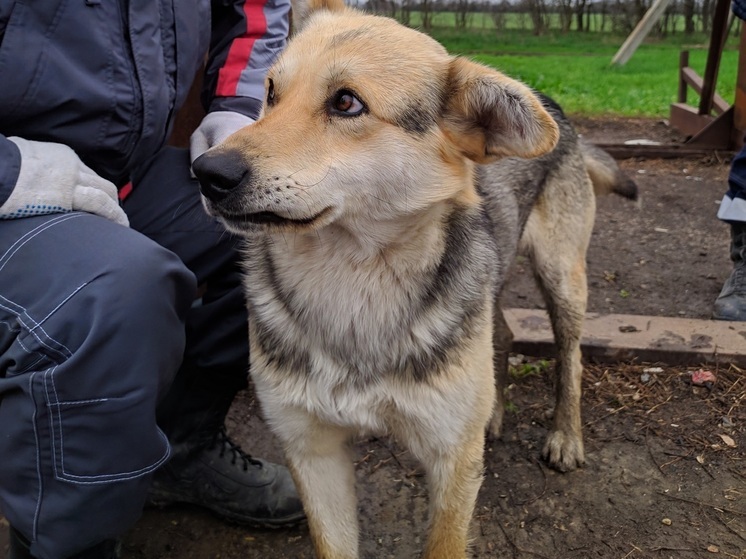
(345, 103)
(270, 91)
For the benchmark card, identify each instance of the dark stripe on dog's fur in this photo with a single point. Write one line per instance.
(458, 285)
(277, 348)
(422, 113)
(416, 119)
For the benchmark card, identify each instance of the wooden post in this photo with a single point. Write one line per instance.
(639, 33)
(739, 108)
(714, 53)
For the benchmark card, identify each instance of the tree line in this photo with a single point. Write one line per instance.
(540, 16)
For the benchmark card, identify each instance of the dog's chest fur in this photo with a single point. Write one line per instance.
(339, 329)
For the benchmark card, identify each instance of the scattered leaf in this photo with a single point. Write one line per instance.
(729, 441)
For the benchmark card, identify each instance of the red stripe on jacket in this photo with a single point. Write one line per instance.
(239, 53)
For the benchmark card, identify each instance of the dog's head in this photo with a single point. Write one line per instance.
(367, 119)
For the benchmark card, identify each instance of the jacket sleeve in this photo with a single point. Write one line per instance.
(10, 167)
(247, 36)
(739, 8)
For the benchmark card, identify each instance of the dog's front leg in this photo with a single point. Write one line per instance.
(454, 476)
(319, 460)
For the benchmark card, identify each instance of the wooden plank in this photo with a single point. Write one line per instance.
(697, 83)
(739, 107)
(717, 134)
(714, 54)
(687, 120)
(615, 337)
(663, 151)
(641, 31)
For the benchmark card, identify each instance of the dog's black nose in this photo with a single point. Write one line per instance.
(219, 172)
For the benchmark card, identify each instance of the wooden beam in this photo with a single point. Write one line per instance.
(739, 107)
(639, 33)
(714, 53)
(697, 83)
(687, 120)
(662, 151)
(717, 134)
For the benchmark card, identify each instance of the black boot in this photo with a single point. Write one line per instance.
(224, 479)
(19, 549)
(207, 468)
(731, 303)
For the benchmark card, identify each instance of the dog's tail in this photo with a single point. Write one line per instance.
(605, 174)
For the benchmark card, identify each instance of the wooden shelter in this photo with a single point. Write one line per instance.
(713, 123)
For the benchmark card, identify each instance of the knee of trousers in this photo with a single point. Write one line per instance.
(85, 363)
(124, 328)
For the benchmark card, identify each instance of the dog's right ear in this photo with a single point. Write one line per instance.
(488, 115)
(302, 9)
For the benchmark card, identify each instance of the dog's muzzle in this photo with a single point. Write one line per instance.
(219, 173)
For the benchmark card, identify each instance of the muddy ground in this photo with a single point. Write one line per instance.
(666, 461)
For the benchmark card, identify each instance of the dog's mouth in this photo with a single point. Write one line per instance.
(271, 219)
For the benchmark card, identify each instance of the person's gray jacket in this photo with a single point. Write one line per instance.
(106, 77)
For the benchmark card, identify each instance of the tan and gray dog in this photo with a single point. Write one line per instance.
(383, 194)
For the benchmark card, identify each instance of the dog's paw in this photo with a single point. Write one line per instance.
(495, 426)
(563, 451)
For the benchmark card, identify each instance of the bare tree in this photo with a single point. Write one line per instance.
(537, 10)
(498, 13)
(405, 12)
(461, 12)
(581, 9)
(426, 11)
(708, 12)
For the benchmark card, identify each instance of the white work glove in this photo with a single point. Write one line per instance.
(53, 179)
(215, 128)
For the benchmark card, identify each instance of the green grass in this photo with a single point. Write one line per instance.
(575, 68)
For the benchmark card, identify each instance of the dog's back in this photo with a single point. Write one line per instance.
(564, 180)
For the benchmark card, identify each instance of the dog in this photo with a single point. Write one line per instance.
(384, 193)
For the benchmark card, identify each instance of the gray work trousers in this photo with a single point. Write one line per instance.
(96, 322)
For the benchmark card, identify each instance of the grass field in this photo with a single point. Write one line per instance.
(575, 68)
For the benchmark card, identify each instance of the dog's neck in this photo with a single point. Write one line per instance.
(336, 295)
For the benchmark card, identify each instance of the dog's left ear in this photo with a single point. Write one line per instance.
(302, 10)
(488, 115)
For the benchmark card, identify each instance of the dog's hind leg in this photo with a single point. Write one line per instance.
(502, 338)
(557, 239)
(319, 460)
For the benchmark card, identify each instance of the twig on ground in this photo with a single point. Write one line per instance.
(701, 504)
(537, 497)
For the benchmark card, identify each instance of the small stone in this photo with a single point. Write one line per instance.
(666, 521)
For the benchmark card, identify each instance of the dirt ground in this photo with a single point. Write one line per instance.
(666, 460)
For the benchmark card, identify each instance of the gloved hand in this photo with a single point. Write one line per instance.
(53, 179)
(215, 128)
